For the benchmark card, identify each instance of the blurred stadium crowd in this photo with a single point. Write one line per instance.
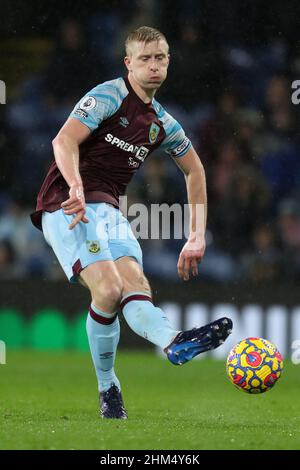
(229, 85)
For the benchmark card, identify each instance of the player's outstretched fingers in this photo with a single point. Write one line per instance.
(186, 266)
(73, 210)
(73, 206)
(194, 266)
(180, 265)
(75, 221)
(80, 216)
(69, 202)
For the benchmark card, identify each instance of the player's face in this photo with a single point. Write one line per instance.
(148, 63)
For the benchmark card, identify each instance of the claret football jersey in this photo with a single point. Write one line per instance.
(124, 132)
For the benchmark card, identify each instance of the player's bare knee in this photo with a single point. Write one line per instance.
(136, 284)
(145, 285)
(113, 292)
(108, 291)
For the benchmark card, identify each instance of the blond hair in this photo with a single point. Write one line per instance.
(144, 34)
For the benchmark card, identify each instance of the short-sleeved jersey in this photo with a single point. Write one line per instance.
(124, 132)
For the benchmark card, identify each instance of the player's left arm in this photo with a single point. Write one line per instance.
(194, 248)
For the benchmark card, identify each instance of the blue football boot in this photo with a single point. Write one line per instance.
(189, 344)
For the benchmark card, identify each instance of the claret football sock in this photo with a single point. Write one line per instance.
(146, 320)
(103, 332)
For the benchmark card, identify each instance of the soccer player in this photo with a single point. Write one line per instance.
(106, 138)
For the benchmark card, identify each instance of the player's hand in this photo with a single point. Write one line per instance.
(75, 205)
(189, 258)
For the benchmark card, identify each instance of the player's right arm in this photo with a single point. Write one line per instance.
(66, 152)
(97, 105)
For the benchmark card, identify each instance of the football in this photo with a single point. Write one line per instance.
(254, 365)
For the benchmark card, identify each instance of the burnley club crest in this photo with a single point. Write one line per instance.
(153, 133)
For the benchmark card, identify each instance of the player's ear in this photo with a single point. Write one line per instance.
(127, 63)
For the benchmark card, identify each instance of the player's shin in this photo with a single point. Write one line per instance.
(146, 320)
(103, 332)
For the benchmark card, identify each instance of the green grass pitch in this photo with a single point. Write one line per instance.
(49, 401)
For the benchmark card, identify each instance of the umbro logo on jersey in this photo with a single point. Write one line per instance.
(81, 113)
(124, 121)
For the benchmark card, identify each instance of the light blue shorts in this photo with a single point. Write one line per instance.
(106, 237)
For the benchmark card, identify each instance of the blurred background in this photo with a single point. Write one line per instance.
(229, 85)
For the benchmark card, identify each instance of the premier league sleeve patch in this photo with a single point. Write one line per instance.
(88, 103)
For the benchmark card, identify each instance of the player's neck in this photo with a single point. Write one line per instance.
(144, 95)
